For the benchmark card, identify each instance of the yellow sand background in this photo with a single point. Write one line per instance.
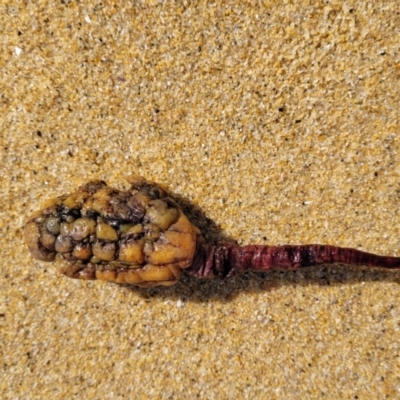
(275, 122)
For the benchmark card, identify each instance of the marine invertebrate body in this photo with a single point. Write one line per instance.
(141, 236)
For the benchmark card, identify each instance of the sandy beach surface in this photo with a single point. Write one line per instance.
(274, 122)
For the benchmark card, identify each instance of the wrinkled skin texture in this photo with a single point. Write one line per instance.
(139, 236)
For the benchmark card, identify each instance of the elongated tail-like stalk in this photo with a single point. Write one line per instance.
(227, 259)
(142, 237)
